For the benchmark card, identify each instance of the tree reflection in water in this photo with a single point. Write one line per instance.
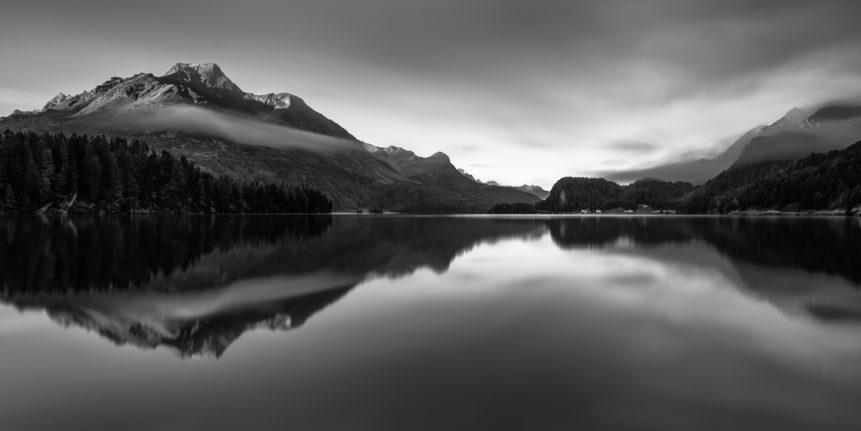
(196, 283)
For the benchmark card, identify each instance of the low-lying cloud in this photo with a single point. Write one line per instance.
(633, 146)
(236, 129)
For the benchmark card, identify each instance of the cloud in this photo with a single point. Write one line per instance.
(633, 146)
(240, 130)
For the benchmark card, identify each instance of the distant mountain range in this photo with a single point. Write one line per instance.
(195, 110)
(795, 135)
(533, 189)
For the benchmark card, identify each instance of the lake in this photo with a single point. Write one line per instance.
(430, 323)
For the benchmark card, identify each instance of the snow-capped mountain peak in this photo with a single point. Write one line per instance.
(207, 74)
(185, 84)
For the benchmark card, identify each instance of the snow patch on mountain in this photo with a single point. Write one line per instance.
(392, 152)
(275, 100)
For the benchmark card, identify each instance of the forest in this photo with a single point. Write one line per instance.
(50, 173)
(821, 181)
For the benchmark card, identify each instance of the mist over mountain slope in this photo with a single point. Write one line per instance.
(831, 127)
(795, 135)
(197, 111)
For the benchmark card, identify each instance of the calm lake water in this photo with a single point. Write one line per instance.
(430, 323)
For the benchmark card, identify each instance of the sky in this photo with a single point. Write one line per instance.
(513, 91)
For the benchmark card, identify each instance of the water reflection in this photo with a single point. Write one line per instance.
(430, 323)
(196, 284)
(802, 265)
(828, 245)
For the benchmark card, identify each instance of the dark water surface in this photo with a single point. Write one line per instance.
(430, 323)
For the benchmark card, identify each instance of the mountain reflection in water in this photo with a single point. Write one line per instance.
(429, 323)
(196, 284)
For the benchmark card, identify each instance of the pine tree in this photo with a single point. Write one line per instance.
(132, 191)
(855, 197)
(44, 165)
(29, 194)
(204, 201)
(89, 177)
(8, 202)
(61, 171)
(112, 186)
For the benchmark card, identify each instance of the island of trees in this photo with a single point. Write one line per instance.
(96, 174)
(592, 194)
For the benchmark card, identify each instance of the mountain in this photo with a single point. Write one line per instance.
(468, 175)
(821, 181)
(831, 127)
(538, 191)
(203, 85)
(836, 112)
(195, 110)
(408, 163)
(794, 135)
(437, 170)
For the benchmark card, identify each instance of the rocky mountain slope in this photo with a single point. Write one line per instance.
(197, 111)
(538, 191)
(437, 170)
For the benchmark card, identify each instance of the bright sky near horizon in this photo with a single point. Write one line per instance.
(514, 91)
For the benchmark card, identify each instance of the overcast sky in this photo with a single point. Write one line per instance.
(514, 91)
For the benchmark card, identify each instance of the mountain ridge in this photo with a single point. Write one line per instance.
(806, 133)
(195, 110)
